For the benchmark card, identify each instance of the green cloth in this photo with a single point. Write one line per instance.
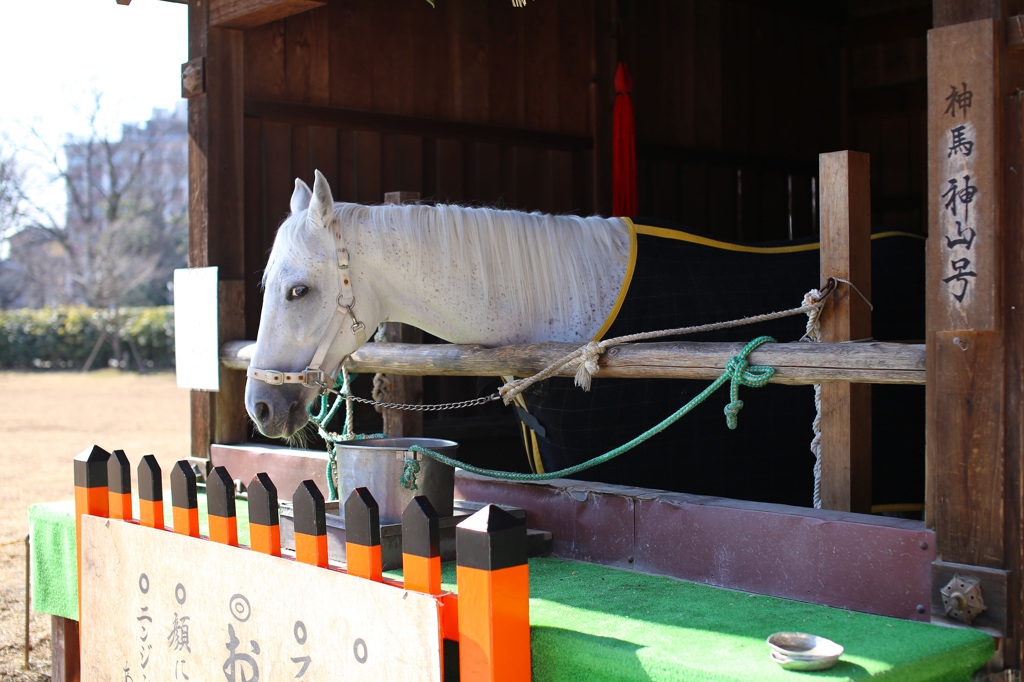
(590, 622)
(54, 567)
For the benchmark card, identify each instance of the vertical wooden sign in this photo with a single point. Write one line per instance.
(963, 182)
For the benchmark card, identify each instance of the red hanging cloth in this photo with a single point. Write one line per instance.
(624, 195)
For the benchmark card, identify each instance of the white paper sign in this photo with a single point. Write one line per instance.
(196, 342)
(159, 606)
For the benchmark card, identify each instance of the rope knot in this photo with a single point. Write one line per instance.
(412, 468)
(742, 373)
(588, 366)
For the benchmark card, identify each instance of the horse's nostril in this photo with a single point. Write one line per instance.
(262, 412)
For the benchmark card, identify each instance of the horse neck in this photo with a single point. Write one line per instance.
(493, 277)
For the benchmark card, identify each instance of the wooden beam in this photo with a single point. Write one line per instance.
(241, 14)
(794, 363)
(846, 254)
(216, 160)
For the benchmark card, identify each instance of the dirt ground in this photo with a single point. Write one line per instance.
(46, 418)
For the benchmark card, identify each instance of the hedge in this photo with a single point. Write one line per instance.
(63, 337)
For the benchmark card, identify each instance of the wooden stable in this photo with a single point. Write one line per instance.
(475, 101)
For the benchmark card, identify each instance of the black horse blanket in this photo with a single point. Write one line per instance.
(679, 279)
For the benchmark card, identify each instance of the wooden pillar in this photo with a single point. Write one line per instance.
(220, 503)
(151, 493)
(212, 82)
(421, 546)
(406, 390)
(494, 597)
(91, 498)
(846, 254)
(310, 525)
(975, 377)
(119, 485)
(264, 516)
(362, 535)
(184, 499)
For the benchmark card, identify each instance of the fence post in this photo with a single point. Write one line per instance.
(310, 524)
(220, 504)
(119, 486)
(184, 499)
(151, 493)
(421, 546)
(494, 596)
(362, 535)
(91, 498)
(264, 518)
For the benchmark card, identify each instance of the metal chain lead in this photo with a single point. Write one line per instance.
(415, 408)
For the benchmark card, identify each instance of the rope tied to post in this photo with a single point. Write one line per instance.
(742, 373)
(738, 372)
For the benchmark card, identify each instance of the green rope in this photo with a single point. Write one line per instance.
(412, 468)
(323, 417)
(738, 371)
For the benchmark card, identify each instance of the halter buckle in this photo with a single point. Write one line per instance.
(313, 377)
(272, 377)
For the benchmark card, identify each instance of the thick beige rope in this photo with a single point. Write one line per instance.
(587, 356)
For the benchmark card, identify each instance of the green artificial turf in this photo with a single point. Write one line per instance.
(591, 622)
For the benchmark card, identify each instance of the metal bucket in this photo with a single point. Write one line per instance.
(377, 465)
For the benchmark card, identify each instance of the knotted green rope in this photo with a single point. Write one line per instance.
(409, 472)
(324, 416)
(738, 371)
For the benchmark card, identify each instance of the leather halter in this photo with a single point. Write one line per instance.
(314, 375)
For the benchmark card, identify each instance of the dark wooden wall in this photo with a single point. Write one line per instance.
(479, 102)
(485, 104)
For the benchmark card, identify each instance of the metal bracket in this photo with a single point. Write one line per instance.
(962, 598)
(957, 596)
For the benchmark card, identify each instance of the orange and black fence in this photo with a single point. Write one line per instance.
(485, 626)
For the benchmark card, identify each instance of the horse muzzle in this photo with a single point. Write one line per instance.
(278, 410)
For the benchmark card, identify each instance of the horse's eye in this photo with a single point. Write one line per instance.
(297, 292)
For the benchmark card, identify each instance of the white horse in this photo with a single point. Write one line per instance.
(490, 277)
(465, 275)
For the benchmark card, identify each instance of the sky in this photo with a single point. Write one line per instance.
(57, 53)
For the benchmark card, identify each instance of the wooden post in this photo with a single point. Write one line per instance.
(119, 485)
(264, 517)
(362, 535)
(421, 546)
(213, 84)
(846, 254)
(494, 596)
(220, 503)
(151, 493)
(310, 525)
(421, 567)
(90, 498)
(406, 390)
(184, 499)
(975, 374)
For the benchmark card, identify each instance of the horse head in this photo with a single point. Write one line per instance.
(301, 344)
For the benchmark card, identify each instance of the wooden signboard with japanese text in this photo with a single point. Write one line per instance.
(963, 182)
(155, 608)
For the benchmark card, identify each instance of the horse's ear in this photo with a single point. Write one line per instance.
(301, 196)
(321, 207)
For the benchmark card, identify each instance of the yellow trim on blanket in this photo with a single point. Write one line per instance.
(666, 233)
(624, 289)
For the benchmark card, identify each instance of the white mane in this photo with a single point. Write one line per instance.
(538, 261)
